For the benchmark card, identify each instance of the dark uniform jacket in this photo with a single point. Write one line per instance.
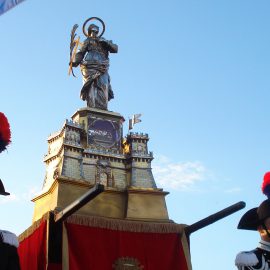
(257, 259)
(9, 259)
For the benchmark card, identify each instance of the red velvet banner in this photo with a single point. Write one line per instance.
(32, 250)
(54, 266)
(91, 248)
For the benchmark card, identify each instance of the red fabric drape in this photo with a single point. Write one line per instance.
(32, 250)
(92, 248)
(54, 266)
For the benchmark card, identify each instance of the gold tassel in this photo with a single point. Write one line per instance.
(126, 225)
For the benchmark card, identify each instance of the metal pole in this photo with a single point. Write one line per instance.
(77, 204)
(215, 217)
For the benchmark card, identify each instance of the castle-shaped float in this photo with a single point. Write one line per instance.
(100, 207)
(89, 150)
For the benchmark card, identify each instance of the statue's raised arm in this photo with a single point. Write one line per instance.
(111, 47)
(93, 58)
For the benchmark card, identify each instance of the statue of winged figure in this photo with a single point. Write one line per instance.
(93, 58)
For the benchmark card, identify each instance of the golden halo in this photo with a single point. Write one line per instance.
(91, 19)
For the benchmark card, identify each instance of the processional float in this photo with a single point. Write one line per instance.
(99, 207)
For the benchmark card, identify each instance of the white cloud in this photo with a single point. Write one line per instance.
(178, 175)
(233, 190)
(31, 193)
(8, 199)
(19, 197)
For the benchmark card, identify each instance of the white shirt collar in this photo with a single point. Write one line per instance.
(264, 245)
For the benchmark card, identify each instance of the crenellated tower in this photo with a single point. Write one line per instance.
(90, 149)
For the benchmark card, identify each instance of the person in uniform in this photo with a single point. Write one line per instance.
(256, 219)
(9, 259)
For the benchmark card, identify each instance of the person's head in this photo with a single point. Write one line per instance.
(264, 230)
(257, 219)
(93, 30)
(264, 220)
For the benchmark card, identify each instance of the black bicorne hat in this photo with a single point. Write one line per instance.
(255, 217)
(2, 189)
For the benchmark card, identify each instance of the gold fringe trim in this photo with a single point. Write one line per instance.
(186, 249)
(33, 227)
(126, 225)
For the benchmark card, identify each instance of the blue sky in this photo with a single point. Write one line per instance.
(198, 71)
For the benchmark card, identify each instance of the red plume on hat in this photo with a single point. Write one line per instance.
(266, 185)
(5, 133)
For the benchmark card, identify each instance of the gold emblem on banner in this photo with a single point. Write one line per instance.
(127, 263)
